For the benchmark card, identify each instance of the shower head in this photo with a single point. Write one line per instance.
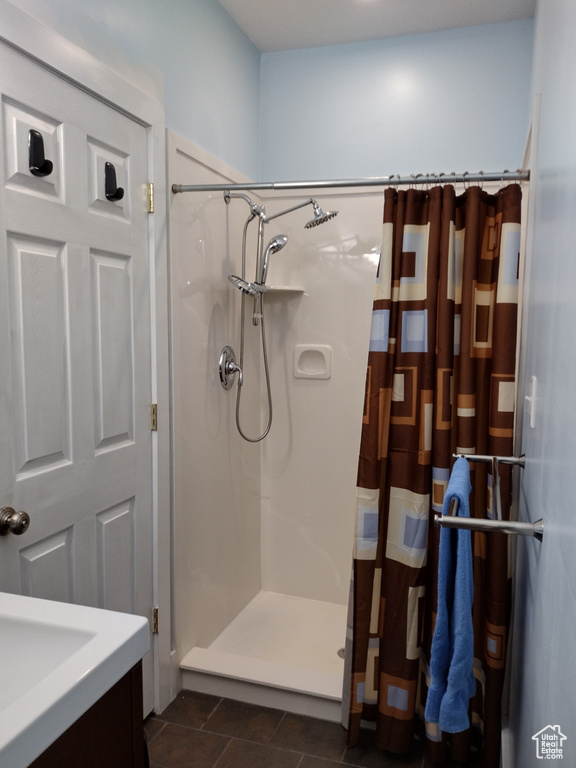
(275, 245)
(250, 289)
(319, 216)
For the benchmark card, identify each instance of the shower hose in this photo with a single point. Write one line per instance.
(264, 350)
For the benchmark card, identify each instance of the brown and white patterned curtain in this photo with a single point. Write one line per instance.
(440, 380)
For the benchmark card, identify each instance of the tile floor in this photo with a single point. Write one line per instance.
(202, 731)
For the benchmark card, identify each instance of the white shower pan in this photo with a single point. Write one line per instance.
(281, 651)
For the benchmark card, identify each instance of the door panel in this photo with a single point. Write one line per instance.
(75, 384)
(40, 353)
(113, 350)
(116, 587)
(46, 567)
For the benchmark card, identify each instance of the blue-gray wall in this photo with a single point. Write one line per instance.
(544, 660)
(189, 53)
(444, 101)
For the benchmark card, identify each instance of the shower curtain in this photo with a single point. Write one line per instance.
(440, 380)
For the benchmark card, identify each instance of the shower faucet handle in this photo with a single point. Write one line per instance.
(227, 367)
(233, 368)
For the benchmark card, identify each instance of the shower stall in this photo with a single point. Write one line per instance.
(263, 530)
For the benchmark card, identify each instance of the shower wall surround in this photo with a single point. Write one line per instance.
(216, 475)
(309, 460)
(278, 515)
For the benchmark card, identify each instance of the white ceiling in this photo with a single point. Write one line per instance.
(276, 25)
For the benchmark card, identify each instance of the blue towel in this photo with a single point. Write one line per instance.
(452, 678)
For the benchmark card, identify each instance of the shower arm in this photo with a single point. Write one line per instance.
(260, 210)
(256, 210)
(310, 201)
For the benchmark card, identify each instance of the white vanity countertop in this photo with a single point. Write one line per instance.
(58, 659)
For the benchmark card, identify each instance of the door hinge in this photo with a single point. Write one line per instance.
(150, 197)
(154, 417)
(154, 621)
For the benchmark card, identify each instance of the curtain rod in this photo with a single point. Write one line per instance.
(386, 181)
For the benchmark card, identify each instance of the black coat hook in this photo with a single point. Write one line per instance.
(37, 162)
(112, 190)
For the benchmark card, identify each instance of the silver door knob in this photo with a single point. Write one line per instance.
(13, 522)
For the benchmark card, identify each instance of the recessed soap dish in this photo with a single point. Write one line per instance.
(312, 361)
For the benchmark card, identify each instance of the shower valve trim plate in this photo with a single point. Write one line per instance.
(227, 367)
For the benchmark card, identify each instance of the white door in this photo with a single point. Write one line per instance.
(75, 367)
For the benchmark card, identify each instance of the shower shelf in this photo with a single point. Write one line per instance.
(285, 289)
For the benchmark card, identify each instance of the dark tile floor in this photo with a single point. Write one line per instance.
(202, 731)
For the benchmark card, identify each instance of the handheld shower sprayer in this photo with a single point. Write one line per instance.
(275, 245)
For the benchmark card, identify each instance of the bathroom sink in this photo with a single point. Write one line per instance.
(57, 661)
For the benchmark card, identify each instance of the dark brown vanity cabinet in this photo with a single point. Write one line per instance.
(109, 735)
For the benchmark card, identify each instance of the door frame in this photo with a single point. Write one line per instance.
(23, 33)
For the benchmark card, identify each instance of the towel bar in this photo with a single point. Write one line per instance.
(491, 526)
(478, 524)
(477, 457)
